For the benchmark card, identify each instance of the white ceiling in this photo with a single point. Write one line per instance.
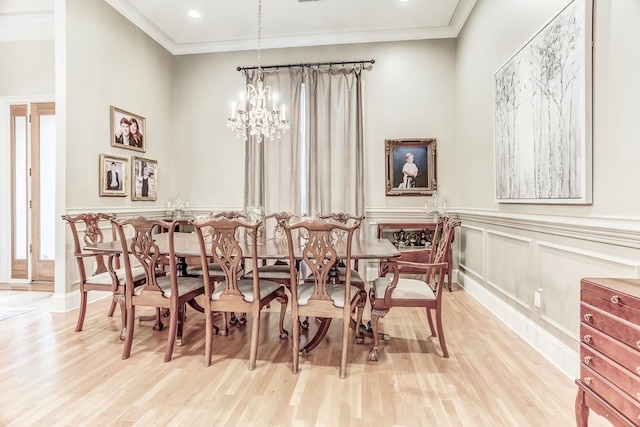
(232, 25)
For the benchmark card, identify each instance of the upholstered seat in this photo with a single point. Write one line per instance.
(406, 289)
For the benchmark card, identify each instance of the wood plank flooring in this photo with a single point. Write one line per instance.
(53, 376)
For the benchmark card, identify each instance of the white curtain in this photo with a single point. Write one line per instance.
(333, 143)
(272, 172)
(334, 140)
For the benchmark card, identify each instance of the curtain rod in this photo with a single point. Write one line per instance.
(313, 64)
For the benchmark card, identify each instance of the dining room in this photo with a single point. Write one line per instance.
(516, 264)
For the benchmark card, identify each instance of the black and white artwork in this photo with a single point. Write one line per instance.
(542, 118)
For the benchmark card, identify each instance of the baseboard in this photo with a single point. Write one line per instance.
(556, 352)
(61, 303)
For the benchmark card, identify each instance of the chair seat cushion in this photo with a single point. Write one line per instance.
(275, 271)
(214, 270)
(406, 289)
(335, 292)
(355, 275)
(185, 285)
(105, 278)
(245, 287)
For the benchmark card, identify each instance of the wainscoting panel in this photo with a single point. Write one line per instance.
(561, 268)
(471, 253)
(508, 267)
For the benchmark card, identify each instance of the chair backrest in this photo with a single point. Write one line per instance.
(91, 235)
(344, 218)
(440, 253)
(142, 246)
(274, 223)
(319, 252)
(226, 250)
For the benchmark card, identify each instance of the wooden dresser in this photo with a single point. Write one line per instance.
(609, 380)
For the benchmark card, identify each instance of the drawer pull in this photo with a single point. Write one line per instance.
(638, 343)
(587, 338)
(587, 380)
(615, 299)
(587, 359)
(638, 395)
(638, 370)
(587, 317)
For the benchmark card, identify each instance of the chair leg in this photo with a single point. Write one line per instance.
(433, 331)
(376, 315)
(174, 315)
(208, 338)
(283, 299)
(443, 345)
(83, 310)
(128, 341)
(295, 323)
(360, 302)
(345, 347)
(112, 309)
(123, 314)
(182, 315)
(255, 337)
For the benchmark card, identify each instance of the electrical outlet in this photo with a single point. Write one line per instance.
(538, 298)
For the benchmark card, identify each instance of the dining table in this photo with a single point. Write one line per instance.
(186, 246)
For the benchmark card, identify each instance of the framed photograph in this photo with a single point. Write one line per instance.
(128, 130)
(542, 114)
(411, 166)
(114, 176)
(144, 184)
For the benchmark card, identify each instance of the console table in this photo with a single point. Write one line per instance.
(413, 240)
(609, 380)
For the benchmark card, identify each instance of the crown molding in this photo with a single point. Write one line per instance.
(26, 26)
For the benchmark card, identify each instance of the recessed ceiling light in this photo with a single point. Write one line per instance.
(194, 14)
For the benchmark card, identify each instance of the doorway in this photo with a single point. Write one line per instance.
(32, 142)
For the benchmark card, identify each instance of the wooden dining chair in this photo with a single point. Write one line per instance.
(348, 219)
(389, 291)
(107, 275)
(320, 298)
(278, 271)
(160, 290)
(235, 294)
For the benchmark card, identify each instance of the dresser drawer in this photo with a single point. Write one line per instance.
(610, 325)
(627, 381)
(629, 407)
(610, 347)
(618, 304)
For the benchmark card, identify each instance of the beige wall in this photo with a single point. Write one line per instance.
(27, 68)
(507, 251)
(409, 93)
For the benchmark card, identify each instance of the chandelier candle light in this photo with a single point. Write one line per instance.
(255, 117)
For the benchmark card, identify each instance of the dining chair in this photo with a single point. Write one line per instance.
(278, 271)
(170, 291)
(348, 219)
(107, 274)
(235, 294)
(319, 297)
(389, 291)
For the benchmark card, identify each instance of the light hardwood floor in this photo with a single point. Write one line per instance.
(53, 376)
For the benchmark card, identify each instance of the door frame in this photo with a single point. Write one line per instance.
(5, 183)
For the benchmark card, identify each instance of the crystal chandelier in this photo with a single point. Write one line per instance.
(255, 117)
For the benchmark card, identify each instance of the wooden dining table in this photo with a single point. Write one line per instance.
(186, 246)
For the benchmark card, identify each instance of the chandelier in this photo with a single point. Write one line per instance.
(254, 116)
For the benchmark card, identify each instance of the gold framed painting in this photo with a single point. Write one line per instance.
(128, 130)
(411, 166)
(114, 176)
(144, 185)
